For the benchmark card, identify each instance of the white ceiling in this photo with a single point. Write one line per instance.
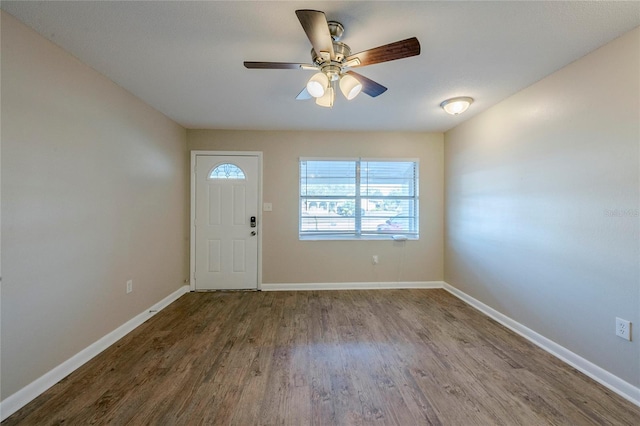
(185, 58)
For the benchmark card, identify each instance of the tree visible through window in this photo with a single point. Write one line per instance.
(358, 198)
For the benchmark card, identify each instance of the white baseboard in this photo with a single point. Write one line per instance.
(351, 286)
(25, 395)
(600, 375)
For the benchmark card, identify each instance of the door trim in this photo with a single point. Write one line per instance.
(192, 228)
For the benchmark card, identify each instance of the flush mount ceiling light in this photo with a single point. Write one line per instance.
(455, 106)
(333, 60)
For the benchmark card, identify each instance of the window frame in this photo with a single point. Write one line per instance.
(358, 234)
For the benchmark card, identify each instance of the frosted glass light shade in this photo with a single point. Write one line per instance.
(350, 86)
(455, 106)
(317, 84)
(327, 99)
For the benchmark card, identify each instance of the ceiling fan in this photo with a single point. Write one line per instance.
(332, 59)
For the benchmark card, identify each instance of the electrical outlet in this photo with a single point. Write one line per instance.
(623, 329)
(129, 286)
(374, 259)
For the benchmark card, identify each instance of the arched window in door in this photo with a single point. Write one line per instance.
(227, 171)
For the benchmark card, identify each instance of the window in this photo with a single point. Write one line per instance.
(358, 198)
(227, 171)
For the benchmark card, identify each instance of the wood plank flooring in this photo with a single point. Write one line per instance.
(388, 357)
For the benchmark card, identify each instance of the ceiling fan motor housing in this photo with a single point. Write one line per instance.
(340, 50)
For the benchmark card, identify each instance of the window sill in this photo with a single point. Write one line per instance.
(384, 237)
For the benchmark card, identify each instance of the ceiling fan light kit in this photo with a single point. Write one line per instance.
(455, 106)
(317, 85)
(327, 99)
(332, 59)
(350, 86)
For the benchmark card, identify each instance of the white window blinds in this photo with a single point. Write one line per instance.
(358, 198)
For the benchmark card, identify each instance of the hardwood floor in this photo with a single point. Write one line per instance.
(396, 357)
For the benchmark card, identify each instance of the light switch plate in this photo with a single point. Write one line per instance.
(267, 207)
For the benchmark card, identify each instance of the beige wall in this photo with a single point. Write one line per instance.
(542, 195)
(542, 199)
(94, 192)
(288, 260)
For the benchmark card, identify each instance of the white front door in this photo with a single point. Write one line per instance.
(225, 222)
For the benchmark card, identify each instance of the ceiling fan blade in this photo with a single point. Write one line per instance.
(304, 95)
(388, 52)
(316, 27)
(272, 65)
(369, 86)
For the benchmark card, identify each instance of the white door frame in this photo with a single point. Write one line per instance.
(192, 254)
